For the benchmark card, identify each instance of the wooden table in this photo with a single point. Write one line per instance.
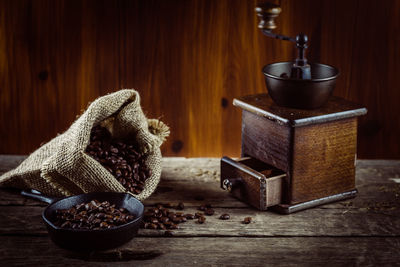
(364, 230)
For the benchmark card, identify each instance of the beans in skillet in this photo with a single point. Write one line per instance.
(93, 215)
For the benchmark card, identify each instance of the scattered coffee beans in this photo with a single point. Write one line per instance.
(247, 220)
(224, 217)
(120, 158)
(203, 207)
(162, 218)
(92, 215)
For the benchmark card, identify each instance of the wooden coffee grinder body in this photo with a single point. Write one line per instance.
(316, 149)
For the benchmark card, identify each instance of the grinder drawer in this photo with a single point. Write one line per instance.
(252, 181)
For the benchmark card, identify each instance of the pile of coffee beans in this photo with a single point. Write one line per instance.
(119, 157)
(161, 217)
(92, 215)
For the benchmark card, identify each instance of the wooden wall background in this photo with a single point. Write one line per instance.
(188, 59)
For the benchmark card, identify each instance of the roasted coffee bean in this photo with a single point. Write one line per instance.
(92, 215)
(202, 208)
(189, 216)
(201, 220)
(180, 206)
(169, 233)
(225, 217)
(247, 220)
(164, 219)
(176, 219)
(198, 214)
(120, 158)
(209, 211)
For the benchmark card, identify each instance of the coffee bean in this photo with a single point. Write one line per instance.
(164, 219)
(209, 211)
(224, 217)
(201, 220)
(176, 219)
(180, 206)
(189, 216)
(247, 220)
(198, 214)
(202, 208)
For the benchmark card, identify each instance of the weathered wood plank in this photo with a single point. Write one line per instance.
(195, 181)
(20, 220)
(371, 196)
(211, 251)
(361, 231)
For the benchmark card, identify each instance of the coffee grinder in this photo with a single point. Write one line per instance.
(299, 143)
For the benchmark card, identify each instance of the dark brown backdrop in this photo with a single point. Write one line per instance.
(188, 59)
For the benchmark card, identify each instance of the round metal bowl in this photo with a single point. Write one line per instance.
(296, 93)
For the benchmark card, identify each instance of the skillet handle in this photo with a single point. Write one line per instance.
(38, 196)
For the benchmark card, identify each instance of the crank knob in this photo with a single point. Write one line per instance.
(267, 13)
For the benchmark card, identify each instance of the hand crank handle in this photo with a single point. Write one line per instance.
(267, 13)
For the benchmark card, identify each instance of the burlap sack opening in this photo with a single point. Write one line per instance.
(62, 168)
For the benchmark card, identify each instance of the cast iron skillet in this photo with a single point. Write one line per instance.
(87, 240)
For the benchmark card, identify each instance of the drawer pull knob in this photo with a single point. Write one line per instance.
(230, 184)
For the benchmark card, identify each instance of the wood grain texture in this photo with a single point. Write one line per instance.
(227, 251)
(374, 212)
(266, 140)
(361, 231)
(188, 60)
(323, 160)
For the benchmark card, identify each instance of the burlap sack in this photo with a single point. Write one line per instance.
(62, 168)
